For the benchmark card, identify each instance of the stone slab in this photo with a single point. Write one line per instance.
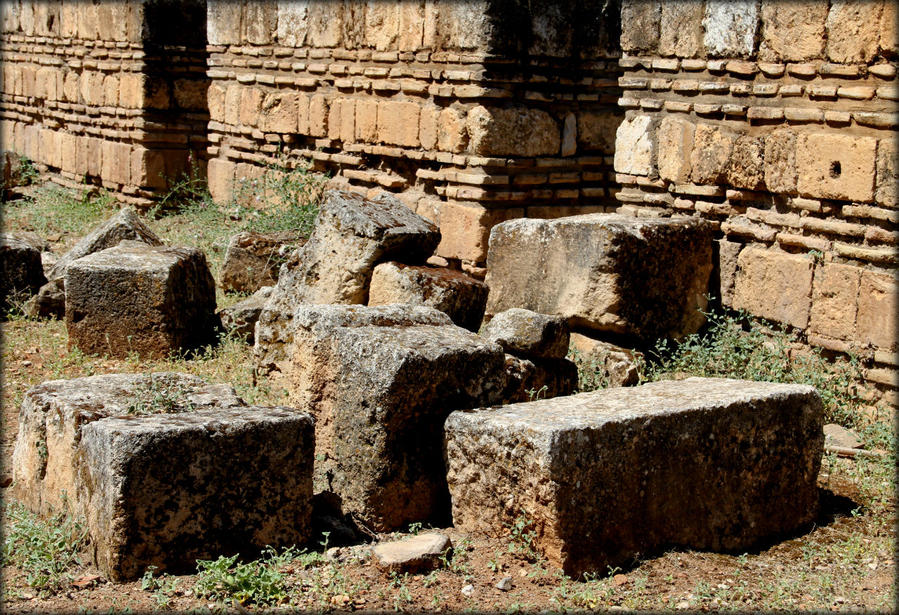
(253, 259)
(528, 334)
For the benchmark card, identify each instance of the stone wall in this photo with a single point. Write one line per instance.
(473, 112)
(107, 92)
(777, 121)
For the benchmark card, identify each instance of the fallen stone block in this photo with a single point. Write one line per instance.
(49, 302)
(641, 277)
(252, 259)
(414, 554)
(352, 234)
(532, 379)
(700, 463)
(21, 272)
(528, 334)
(240, 318)
(151, 300)
(166, 490)
(604, 363)
(380, 381)
(54, 413)
(456, 294)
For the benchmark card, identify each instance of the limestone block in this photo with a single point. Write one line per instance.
(148, 168)
(223, 22)
(191, 94)
(260, 21)
(836, 166)
(681, 29)
(528, 379)
(640, 26)
(411, 26)
(318, 116)
(878, 310)
(780, 161)
(596, 130)
(240, 319)
(728, 251)
(635, 146)
(279, 112)
(381, 24)
(293, 22)
(88, 28)
(53, 414)
(462, 26)
(232, 103)
(252, 259)
(115, 164)
(747, 167)
(527, 334)
(131, 90)
(712, 147)
(512, 131)
(887, 179)
(366, 120)
(604, 476)
(615, 365)
(851, 32)
(220, 177)
(452, 130)
(380, 381)
(250, 106)
(325, 22)
(674, 149)
(398, 123)
(418, 553)
(21, 272)
(834, 301)
(49, 302)
(792, 31)
(606, 272)
(167, 490)
(111, 89)
(428, 126)
(133, 297)
(774, 285)
(465, 229)
(454, 293)
(730, 28)
(352, 234)
(889, 30)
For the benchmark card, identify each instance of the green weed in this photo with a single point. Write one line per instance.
(159, 397)
(523, 538)
(260, 581)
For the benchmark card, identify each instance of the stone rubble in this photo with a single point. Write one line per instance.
(252, 259)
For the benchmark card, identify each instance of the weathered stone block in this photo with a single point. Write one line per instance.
(878, 310)
(730, 27)
(887, 180)
(634, 276)
(700, 463)
(240, 319)
(457, 295)
(614, 365)
(780, 161)
(596, 130)
(292, 23)
(512, 131)
(398, 123)
(792, 31)
(712, 147)
(774, 285)
(681, 29)
(852, 35)
(380, 381)
(832, 166)
(252, 259)
(21, 272)
(634, 146)
(834, 301)
(53, 414)
(223, 22)
(528, 334)
(452, 130)
(747, 167)
(279, 112)
(640, 25)
(418, 553)
(675, 146)
(220, 177)
(138, 298)
(260, 21)
(352, 234)
(167, 490)
(528, 379)
(250, 106)
(728, 251)
(465, 229)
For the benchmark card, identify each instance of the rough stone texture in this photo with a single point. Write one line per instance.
(681, 29)
(459, 296)
(834, 301)
(852, 35)
(887, 180)
(516, 131)
(535, 378)
(878, 304)
(792, 31)
(730, 27)
(712, 147)
(634, 148)
(352, 234)
(54, 413)
(728, 251)
(747, 167)
(674, 148)
(49, 302)
(167, 490)
(699, 463)
(380, 381)
(528, 334)
(240, 318)
(414, 554)
(21, 271)
(780, 161)
(606, 272)
(774, 285)
(640, 25)
(252, 259)
(837, 435)
(139, 298)
(832, 166)
(616, 365)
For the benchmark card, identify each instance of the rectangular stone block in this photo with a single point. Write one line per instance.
(250, 106)
(398, 123)
(149, 300)
(675, 146)
(640, 21)
(792, 31)
(601, 477)
(167, 490)
(634, 146)
(232, 104)
(223, 22)
(780, 161)
(774, 285)
(887, 180)
(318, 116)
(279, 112)
(834, 301)
(681, 29)
(853, 34)
(220, 177)
(465, 229)
(836, 166)
(366, 120)
(730, 28)
(639, 277)
(148, 168)
(878, 310)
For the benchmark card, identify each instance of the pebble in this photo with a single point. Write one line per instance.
(468, 590)
(683, 604)
(505, 584)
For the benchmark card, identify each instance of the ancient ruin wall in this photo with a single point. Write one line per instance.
(472, 112)
(107, 93)
(775, 120)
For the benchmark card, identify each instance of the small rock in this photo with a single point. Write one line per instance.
(468, 590)
(528, 334)
(340, 600)
(505, 584)
(619, 579)
(86, 580)
(413, 554)
(683, 604)
(837, 435)
(335, 554)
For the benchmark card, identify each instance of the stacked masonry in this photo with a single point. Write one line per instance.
(776, 121)
(424, 100)
(104, 92)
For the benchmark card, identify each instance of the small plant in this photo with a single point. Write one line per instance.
(415, 528)
(159, 397)
(259, 582)
(537, 394)
(523, 538)
(44, 550)
(163, 586)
